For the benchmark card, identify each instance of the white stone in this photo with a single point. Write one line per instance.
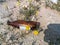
(54, 1)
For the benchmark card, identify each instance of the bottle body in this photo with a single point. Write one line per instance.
(24, 25)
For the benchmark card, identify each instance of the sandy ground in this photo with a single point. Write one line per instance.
(46, 16)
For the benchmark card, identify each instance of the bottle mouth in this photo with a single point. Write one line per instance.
(8, 22)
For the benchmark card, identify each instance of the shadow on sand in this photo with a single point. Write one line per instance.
(52, 34)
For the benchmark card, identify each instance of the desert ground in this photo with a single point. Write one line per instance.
(11, 36)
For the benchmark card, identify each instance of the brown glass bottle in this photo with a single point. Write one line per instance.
(33, 25)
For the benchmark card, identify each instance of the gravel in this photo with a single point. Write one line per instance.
(12, 35)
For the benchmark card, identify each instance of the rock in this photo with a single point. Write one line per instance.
(2, 0)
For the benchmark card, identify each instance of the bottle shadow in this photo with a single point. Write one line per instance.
(52, 34)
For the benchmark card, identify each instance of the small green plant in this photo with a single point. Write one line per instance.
(1, 23)
(53, 5)
(29, 11)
